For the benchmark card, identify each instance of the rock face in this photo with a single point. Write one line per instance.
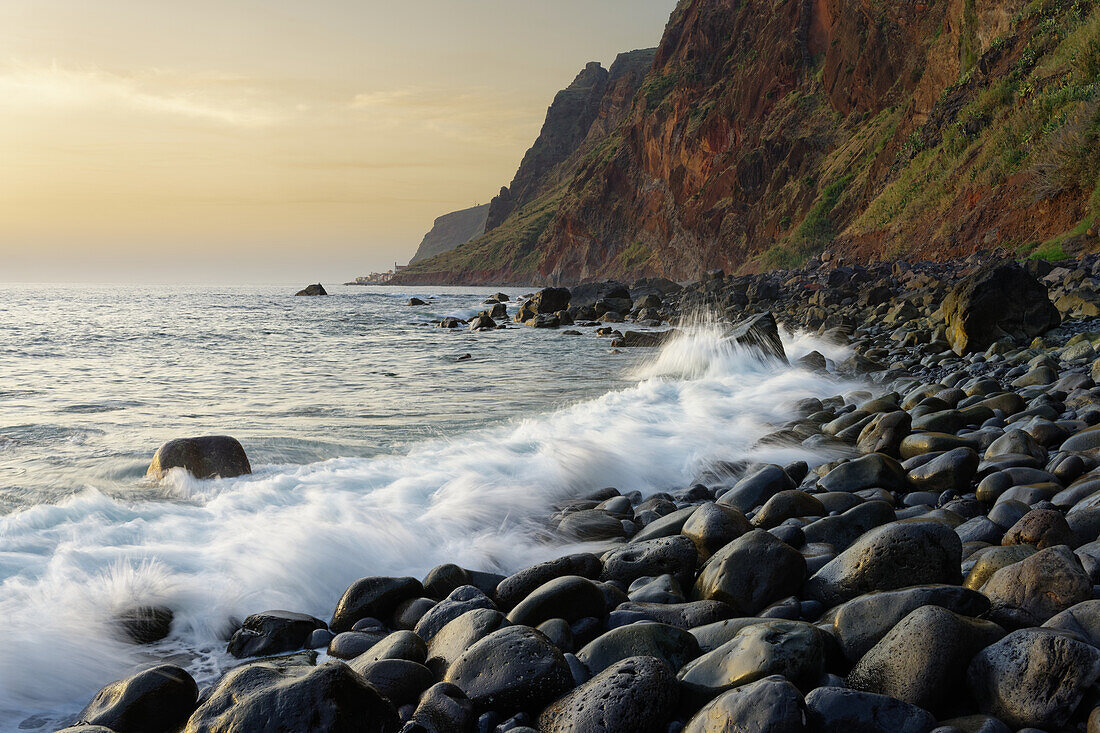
(315, 289)
(998, 301)
(820, 139)
(451, 230)
(210, 456)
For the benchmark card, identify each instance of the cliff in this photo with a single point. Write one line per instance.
(769, 131)
(451, 230)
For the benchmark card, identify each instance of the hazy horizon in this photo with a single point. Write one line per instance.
(271, 142)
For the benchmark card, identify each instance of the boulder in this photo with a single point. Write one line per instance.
(511, 670)
(399, 681)
(519, 585)
(157, 699)
(1041, 528)
(837, 710)
(443, 708)
(636, 694)
(674, 555)
(756, 488)
(760, 334)
(892, 556)
(713, 526)
(682, 615)
(751, 572)
(314, 289)
(273, 632)
(144, 624)
(551, 300)
(462, 599)
(923, 659)
(569, 597)
(209, 456)
(372, 597)
(771, 705)
(398, 645)
(874, 470)
(459, 635)
(998, 301)
(263, 698)
(642, 639)
(1029, 592)
(415, 301)
(1033, 677)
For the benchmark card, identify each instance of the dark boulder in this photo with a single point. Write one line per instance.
(152, 701)
(713, 526)
(551, 300)
(643, 639)
(209, 456)
(262, 698)
(373, 597)
(1028, 592)
(759, 333)
(314, 289)
(442, 709)
(751, 572)
(519, 585)
(637, 694)
(570, 597)
(837, 710)
(511, 670)
(1034, 677)
(462, 599)
(144, 624)
(273, 632)
(999, 300)
(400, 681)
(460, 634)
(771, 704)
(674, 555)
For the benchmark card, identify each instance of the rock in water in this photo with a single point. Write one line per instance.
(209, 456)
(157, 699)
(315, 289)
(551, 300)
(273, 632)
(998, 300)
(144, 624)
(261, 698)
(637, 694)
(373, 597)
(760, 332)
(511, 670)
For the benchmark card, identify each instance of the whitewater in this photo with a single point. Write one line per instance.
(375, 452)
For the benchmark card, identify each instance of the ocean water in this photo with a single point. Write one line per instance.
(375, 450)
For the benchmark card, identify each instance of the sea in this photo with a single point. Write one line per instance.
(380, 445)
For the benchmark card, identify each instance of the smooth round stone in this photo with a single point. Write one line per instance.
(842, 530)
(665, 526)
(590, 525)
(161, 696)
(558, 631)
(570, 597)
(410, 611)
(756, 488)
(273, 632)
(889, 557)
(443, 707)
(460, 600)
(1041, 528)
(1033, 677)
(873, 470)
(793, 649)
(920, 443)
(513, 669)
(683, 615)
(398, 645)
(990, 560)
(674, 555)
(787, 505)
(838, 710)
(350, 644)
(1082, 620)
(1016, 442)
(374, 597)
(713, 526)
(519, 585)
(662, 589)
(1029, 592)
(442, 579)
(771, 704)
(460, 634)
(635, 694)
(1085, 441)
(400, 681)
(646, 638)
(952, 470)
(751, 572)
(923, 659)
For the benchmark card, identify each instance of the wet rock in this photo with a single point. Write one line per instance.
(460, 600)
(771, 704)
(998, 301)
(891, 556)
(442, 579)
(683, 615)
(209, 456)
(444, 708)
(415, 301)
(1033, 677)
(373, 597)
(1082, 621)
(262, 698)
(459, 635)
(350, 644)
(635, 694)
(674, 555)
(793, 649)
(144, 624)
(950, 471)
(1029, 592)
(761, 333)
(398, 680)
(992, 559)
(411, 610)
(482, 322)
(873, 470)
(674, 645)
(511, 670)
(662, 589)
(836, 710)
(885, 433)
(273, 632)
(713, 526)
(788, 505)
(751, 572)
(519, 585)
(1041, 528)
(314, 289)
(148, 702)
(843, 529)
(550, 300)
(923, 659)
(398, 645)
(666, 526)
(860, 623)
(591, 524)
(756, 488)
(570, 597)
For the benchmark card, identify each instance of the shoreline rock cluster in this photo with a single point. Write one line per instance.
(944, 576)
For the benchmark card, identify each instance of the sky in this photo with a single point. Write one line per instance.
(271, 140)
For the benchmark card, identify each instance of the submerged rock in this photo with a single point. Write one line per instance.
(209, 456)
(315, 289)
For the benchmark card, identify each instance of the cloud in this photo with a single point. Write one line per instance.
(213, 98)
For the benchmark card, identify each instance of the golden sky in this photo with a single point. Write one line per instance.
(271, 140)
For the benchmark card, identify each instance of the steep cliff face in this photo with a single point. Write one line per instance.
(451, 230)
(770, 130)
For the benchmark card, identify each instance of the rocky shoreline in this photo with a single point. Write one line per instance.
(943, 577)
